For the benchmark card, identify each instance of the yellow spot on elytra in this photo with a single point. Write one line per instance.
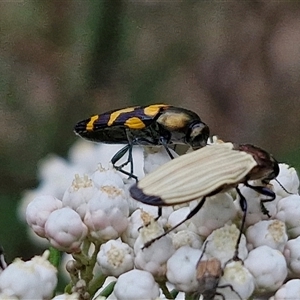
(115, 114)
(135, 123)
(152, 110)
(90, 124)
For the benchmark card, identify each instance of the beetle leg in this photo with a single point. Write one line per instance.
(264, 191)
(203, 251)
(130, 175)
(159, 213)
(243, 204)
(164, 143)
(216, 294)
(119, 155)
(190, 215)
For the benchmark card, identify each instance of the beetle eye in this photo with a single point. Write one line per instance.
(270, 177)
(198, 136)
(275, 171)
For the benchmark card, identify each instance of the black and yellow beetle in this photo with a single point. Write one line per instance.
(156, 124)
(206, 172)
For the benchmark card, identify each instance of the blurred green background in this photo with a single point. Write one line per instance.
(236, 63)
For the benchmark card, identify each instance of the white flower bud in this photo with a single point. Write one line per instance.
(289, 291)
(289, 213)
(240, 279)
(107, 176)
(35, 279)
(38, 212)
(153, 258)
(153, 210)
(155, 157)
(186, 238)
(78, 194)
(47, 273)
(177, 216)
(115, 258)
(73, 296)
(107, 213)
(65, 230)
(216, 211)
(136, 285)
(138, 219)
(268, 267)
(270, 233)
(288, 178)
(292, 256)
(27, 197)
(222, 243)
(19, 280)
(181, 269)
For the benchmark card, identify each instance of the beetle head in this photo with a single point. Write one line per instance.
(267, 166)
(198, 134)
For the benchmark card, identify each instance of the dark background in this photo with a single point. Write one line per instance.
(237, 64)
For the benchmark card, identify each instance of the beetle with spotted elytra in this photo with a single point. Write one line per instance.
(154, 125)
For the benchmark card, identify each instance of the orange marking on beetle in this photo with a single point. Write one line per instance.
(115, 114)
(90, 124)
(135, 123)
(152, 110)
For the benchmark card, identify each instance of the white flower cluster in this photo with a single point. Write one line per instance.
(96, 220)
(34, 279)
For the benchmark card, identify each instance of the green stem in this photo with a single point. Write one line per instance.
(174, 293)
(88, 276)
(86, 247)
(68, 288)
(81, 258)
(54, 259)
(162, 285)
(55, 256)
(96, 284)
(108, 289)
(192, 296)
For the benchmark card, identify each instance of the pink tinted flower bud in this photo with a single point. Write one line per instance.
(65, 230)
(38, 212)
(79, 193)
(107, 213)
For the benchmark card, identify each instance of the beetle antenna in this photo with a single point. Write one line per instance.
(189, 216)
(204, 248)
(283, 187)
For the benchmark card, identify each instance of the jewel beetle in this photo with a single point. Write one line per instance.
(157, 124)
(206, 172)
